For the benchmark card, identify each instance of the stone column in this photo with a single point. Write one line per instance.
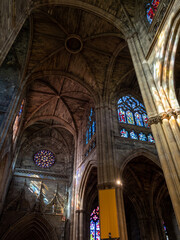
(77, 224)
(121, 214)
(107, 168)
(163, 124)
(82, 224)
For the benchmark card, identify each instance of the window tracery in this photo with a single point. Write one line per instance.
(44, 158)
(132, 112)
(94, 225)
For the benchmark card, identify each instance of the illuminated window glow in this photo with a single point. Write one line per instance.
(132, 112)
(151, 9)
(91, 126)
(44, 158)
(94, 225)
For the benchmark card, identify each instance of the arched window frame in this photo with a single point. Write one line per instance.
(94, 225)
(137, 127)
(90, 133)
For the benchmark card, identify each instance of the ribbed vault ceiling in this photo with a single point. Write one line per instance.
(61, 84)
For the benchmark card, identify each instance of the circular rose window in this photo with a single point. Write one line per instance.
(44, 158)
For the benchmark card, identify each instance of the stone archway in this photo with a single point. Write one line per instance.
(88, 194)
(145, 195)
(31, 226)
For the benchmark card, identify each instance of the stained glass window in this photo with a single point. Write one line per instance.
(121, 115)
(44, 158)
(138, 119)
(133, 135)
(94, 225)
(150, 138)
(17, 120)
(87, 137)
(145, 119)
(151, 9)
(142, 137)
(124, 133)
(91, 126)
(131, 111)
(130, 118)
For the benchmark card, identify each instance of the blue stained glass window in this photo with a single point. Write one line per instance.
(142, 137)
(130, 118)
(93, 127)
(94, 225)
(124, 133)
(131, 111)
(90, 133)
(150, 138)
(121, 115)
(138, 119)
(87, 137)
(145, 119)
(133, 135)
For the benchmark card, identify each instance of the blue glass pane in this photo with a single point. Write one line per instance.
(145, 119)
(150, 138)
(124, 133)
(142, 137)
(90, 133)
(93, 127)
(130, 118)
(121, 115)
(138, 119)
(133, 135)
(87, 137)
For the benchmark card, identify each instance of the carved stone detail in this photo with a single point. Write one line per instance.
(164, 115)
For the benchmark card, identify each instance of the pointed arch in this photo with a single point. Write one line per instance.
(31, 224)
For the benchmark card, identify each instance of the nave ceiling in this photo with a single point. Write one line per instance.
(75, 59)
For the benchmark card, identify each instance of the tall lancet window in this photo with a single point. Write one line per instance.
(133, 119)
(94, 225)
(91, 126)
(90, 140)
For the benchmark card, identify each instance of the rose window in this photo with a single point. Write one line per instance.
(44, 158)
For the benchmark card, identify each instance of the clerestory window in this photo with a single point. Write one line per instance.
(90, 132)
(133, 119)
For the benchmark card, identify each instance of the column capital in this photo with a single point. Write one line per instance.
(164, 115)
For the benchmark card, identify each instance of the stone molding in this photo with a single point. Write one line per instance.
(26, 172)
(164, 115)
